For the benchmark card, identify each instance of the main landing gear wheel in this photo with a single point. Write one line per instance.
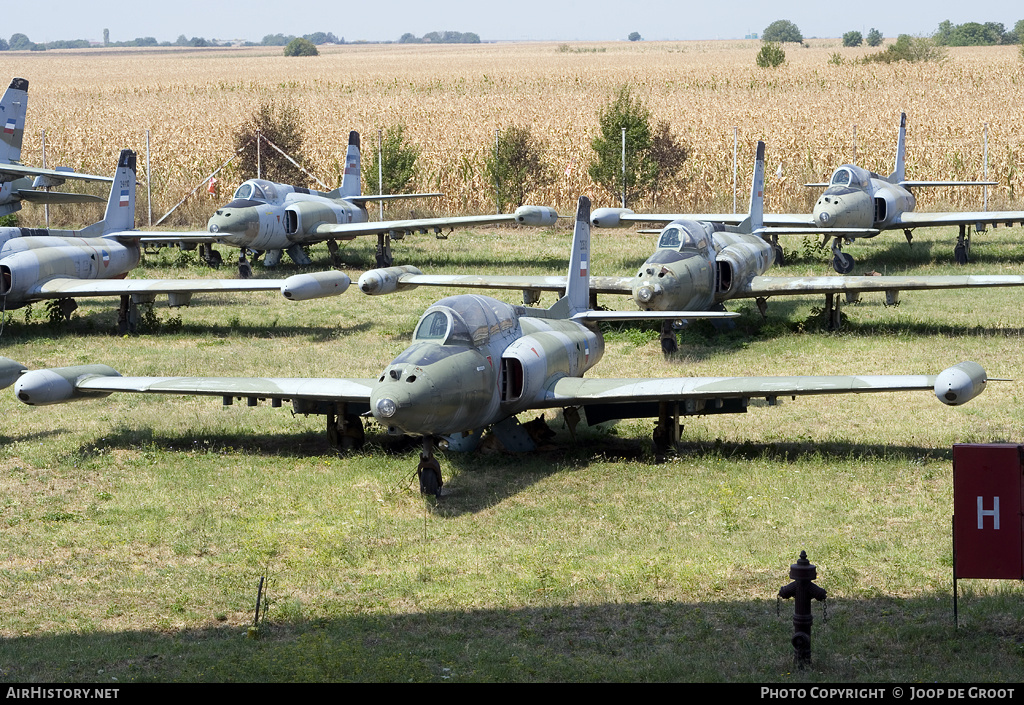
(962, 251)
(842, 263)
(960, 254)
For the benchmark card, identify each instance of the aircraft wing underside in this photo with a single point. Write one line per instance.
(66, 287)
(17, 171)
(284, 388)
(914, 219)
(796, 286)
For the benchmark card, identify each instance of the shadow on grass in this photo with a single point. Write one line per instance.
(678, 637)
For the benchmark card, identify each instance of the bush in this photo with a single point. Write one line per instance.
(907, 48)
(771, 55)
(635, 37)
(517, 166)
(852, 39)
(874, 37)
(399, 160)
(280, 126)
(301, 47)
(624, 111)
(782, 31)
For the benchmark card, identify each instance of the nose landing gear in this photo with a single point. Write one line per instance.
(429, 470)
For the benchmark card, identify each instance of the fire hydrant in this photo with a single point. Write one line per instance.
(802, 572)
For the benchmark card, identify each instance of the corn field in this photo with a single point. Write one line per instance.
(452, 98)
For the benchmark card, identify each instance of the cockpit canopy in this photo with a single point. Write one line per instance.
(685, 235)
(257, 190)
(467, 319)
(850, 175)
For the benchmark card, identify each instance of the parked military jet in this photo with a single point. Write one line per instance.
(475, 362)
(275, 218)
(697, 266)
(40, 264)
(25, 183)
(857, 203)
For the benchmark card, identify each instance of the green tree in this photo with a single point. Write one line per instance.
(852, 39)
(301, 47)
(399, 160)
(517, 166)
(106, 37)
(629, 112)
(635, 37)
(20, 42)
(782, 31)
(771, 55)
(281, 127)
(874, 37)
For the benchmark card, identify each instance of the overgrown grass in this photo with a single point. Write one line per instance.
(135, 529)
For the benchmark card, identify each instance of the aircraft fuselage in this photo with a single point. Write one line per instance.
(445, 383)
(26, 262)
(858, 198)
(268, 216)
(698, 265)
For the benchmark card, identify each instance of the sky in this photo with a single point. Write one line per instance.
(562, 20)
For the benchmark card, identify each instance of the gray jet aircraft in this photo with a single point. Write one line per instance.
(264, 216)
(857, 203)
(475, 363)
(697, 266)
(37, 264)
(25, 183)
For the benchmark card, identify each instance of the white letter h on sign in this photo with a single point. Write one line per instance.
(994, 513)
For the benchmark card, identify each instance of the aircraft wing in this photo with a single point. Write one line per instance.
(56, 197)
(697, 395)
(59, 385)
(525, 215)
(17, 171)
(298, 287)
(403, 277)
(283, 388)
(170, 238)
(782, 220)
(796, 286)
(977, 218)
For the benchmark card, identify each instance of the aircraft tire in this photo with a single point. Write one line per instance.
(842, 263)
(429, 472)
(244, 270)
(960, 254)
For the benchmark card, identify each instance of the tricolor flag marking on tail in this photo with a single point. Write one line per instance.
(9, 126)
(583, 267)
(124, 198)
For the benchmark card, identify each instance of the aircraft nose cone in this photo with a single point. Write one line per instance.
(644, 294)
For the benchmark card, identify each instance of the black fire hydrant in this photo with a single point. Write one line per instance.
(802, 572)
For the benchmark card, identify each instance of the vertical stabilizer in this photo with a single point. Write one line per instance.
(120, 214)
(577, 284)
(898, 174)
(12, 120)
(755, 214)
(350, 185)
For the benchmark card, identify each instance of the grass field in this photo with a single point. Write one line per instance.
(136, 529)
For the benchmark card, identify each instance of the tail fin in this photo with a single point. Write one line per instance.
(12, 120)
(755, 215)
(120, 214)
(350, 184)
(577, 282)
(899, 174)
